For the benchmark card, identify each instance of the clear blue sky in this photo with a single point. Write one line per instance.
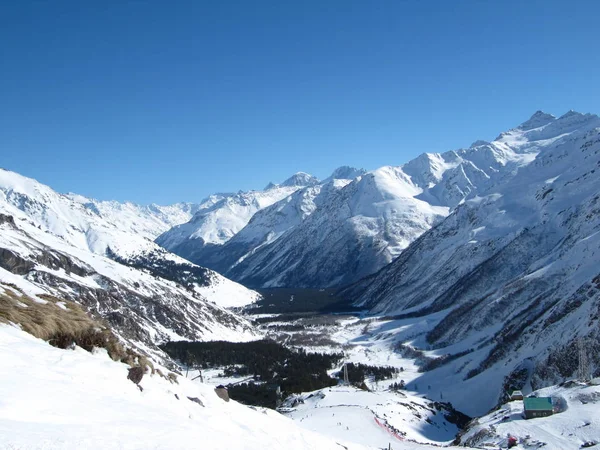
(156, 101)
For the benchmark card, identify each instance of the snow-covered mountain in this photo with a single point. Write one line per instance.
(144, 307)
(509, 280)
(362, 227)
(148, 221)
(270, 223)
(353, 228)
(58, 245)
(216, 223)
(86, 223)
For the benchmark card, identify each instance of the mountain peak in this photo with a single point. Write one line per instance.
(479, 143)
(538, 119)
(346, 173)
(576, 117)
(570, 113)
(300, 179)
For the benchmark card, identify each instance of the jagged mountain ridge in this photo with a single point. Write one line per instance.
(358, 229)
(236, 225)
(512, 276)
(147, 220)
(215, 224)
(349, 234)
(265, 227)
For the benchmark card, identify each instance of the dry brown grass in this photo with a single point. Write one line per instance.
(63, 324)
(42, 320)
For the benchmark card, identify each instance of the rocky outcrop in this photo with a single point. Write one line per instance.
(14, 263)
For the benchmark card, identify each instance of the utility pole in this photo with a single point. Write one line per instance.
(346, 381)
(584, 364)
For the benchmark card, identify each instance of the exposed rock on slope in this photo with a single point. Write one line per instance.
(52, 244)
(142, 308)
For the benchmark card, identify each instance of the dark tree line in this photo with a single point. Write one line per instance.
(268, 362)
(357, 373)
(254, 394)
(398, 386)
(185, 274)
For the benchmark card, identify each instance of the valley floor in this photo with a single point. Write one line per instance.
(375, 418)
(382, 417)
(71, 399)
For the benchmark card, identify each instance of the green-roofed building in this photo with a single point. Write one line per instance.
(537, 407)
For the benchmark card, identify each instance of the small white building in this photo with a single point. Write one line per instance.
(516, 395)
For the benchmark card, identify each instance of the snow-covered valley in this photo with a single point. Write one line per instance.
(402, 302)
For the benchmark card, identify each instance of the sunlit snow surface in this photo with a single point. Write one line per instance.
(71, 399)
(371, 418)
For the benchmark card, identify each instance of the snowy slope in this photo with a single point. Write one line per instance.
(146, 220)
(55, 244)
(271, 223)
(352, 233)
(141, 307)
(72, 399)
(370, 221)
(570, 429)
(223, 235)
(125, 230)
(374, 419)
(511, 276)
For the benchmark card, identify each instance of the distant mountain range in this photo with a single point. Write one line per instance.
(492, 250)
(331, 233)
